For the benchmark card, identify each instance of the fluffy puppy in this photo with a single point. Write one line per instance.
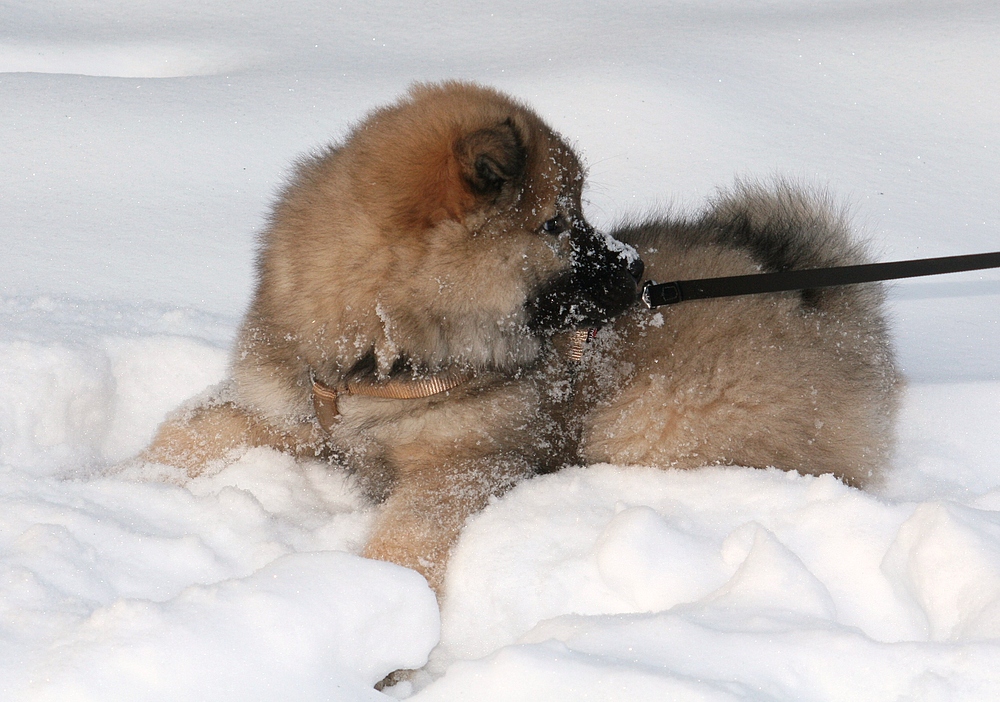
(800, 381)
(409, 284)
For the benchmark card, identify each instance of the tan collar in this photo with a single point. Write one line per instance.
(325, 397)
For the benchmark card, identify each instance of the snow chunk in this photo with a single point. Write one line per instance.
(770, 577)
(625, 252)
(651, 563)
(946, 557)
(311, 623)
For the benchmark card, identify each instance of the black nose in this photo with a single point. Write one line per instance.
(636, 268)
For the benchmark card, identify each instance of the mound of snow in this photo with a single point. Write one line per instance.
(613, 583)
(303, 626)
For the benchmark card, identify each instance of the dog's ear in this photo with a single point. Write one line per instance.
(455, 178)
(490, 158)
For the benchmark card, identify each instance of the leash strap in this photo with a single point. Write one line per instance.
(657, 294)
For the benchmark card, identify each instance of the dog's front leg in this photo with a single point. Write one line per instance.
(216, 429)
(422, 518)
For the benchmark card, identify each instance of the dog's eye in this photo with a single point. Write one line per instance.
(553, 226)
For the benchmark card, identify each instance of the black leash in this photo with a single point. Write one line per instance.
(657, 294)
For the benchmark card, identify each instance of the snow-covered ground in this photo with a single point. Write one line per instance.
(140, 145)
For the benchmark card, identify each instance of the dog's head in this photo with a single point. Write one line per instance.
(449, 229)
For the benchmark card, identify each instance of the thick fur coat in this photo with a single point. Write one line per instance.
(418, 287)
(800, 381)
(444, 238)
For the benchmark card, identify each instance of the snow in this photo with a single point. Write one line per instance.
(141, 144)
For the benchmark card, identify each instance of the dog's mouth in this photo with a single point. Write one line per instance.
(601, 284)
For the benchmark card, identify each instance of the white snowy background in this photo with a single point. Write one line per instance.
(140, 146)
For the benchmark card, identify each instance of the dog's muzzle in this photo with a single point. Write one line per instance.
(601, 284)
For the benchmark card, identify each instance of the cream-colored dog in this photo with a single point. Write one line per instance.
(417, 287)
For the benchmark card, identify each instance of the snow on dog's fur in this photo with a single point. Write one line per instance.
(800, 380)
(416, 287)
(441, 245)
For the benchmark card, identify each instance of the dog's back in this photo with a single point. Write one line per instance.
(800, 381)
